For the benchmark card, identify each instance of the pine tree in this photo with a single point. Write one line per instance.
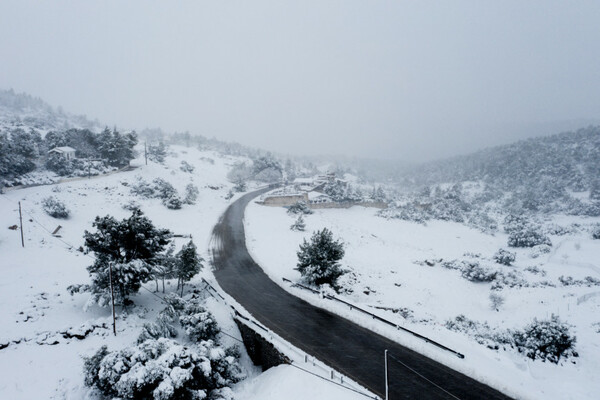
(189, 263)
(191, 194)
(131, 247)
(299, 224)
(318, 260)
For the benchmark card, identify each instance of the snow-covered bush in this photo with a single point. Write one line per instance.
(527, 237)
(505, 257)
(539, 250)
(55, 208)
(318, 260)
(299, 207)
(596, 232)
(474, 272)
(163, 189)
(299, 224)
(511, 279)
(546, 340)
(173, 202)
(587, 281)
(186, 167)
(161, 328)
(191, 194)
(199, 324)
(162, 369)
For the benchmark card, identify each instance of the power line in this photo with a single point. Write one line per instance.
(335, 383)
(424, 377)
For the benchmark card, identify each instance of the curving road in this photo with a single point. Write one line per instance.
(345, 346)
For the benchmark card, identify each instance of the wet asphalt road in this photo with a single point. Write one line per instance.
(345, 346)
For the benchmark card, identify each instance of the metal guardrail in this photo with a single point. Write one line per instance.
(247, 321)
(378, 318)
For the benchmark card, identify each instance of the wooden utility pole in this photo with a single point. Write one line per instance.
(112, 296)
(21, 223)
(146, 152)
(386, 376)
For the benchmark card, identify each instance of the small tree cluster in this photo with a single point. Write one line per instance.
(159, 189)
(18, 152)
(299, 207)
(505, 257)
(318, 260)
(546, 340)
(55, 208)
(267, 169)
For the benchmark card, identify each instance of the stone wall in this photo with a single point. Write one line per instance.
(348, 204)
(284, 200)
(261, 351)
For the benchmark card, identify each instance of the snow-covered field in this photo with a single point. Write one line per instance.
(389, 276)
(40, 360)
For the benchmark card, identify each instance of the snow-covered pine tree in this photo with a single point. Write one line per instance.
(157, 153)
(191, 194)
(189, 263)
(299, 224)
(318, 260)
(131, 247)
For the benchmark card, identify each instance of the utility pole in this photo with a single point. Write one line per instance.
(21, 223)
(112, 296)
(146, 153)
(386, 376)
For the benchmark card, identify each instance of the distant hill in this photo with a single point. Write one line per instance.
(569, 160)
(20, 110)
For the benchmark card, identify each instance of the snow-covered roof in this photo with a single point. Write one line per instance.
(63, 149)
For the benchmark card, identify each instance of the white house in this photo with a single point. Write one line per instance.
(68, 153)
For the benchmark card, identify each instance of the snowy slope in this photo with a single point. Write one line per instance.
(386, 257)
(37, 309)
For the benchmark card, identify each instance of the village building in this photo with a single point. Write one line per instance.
(68, 153)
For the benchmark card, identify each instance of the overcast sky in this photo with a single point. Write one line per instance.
(410, 80)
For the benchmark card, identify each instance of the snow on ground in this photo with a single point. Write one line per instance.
(289, 383)
(386, 259)
(39, 362)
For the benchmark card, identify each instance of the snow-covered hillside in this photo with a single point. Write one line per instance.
(46, 332)
(20, 110)
(410, 273)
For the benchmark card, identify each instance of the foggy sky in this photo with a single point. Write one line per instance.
(408, 80)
